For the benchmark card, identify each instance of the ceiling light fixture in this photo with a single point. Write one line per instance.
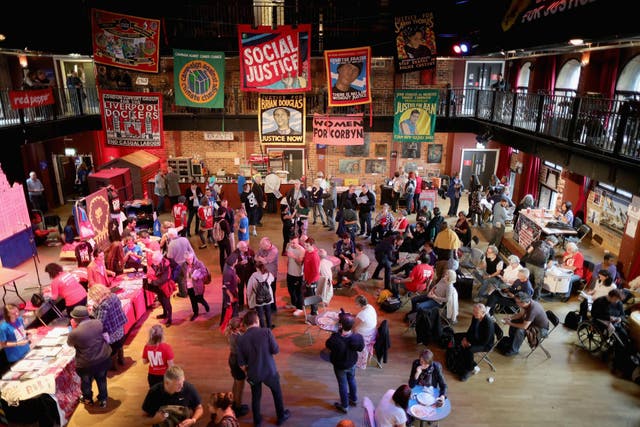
(2, 37)
(576, 42)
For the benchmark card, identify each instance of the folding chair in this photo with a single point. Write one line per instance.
(553, 319)
(309, 319)
(484, 355)
(369, 412)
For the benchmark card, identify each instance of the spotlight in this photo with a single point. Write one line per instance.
(461, 48)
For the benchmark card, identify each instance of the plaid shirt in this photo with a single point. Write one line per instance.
(113, 318)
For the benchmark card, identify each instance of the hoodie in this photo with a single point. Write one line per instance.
(344, 349)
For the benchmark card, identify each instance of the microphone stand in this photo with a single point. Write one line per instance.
(34, 254)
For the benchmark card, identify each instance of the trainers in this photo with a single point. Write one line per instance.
(86, 401)
(298, 312)
(340, 408)
(203, 246)
(285, 416)
(476, 369)
(103, 404)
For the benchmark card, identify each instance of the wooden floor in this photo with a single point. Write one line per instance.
(572, 388)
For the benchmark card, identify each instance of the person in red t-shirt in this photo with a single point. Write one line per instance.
(65, 286)
(158, 354)
(311, 270)
(420, 276)
(416, 193)
(572, 260)
(179, 212)
(205, 216)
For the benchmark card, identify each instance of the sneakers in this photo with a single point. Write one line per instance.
(194, 317)
(86, 401)
(298, 312)
(103, 404)
(285, 416)
(340, 408)
(476, 369)
(202, 246)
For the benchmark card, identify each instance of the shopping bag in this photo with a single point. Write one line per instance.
(227, 317)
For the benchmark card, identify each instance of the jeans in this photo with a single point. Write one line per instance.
(328, 211)
(160, 206)
(264, 314)
(195, 299)
(426, 305)
(319, 211)
(538, 279)
(347, 385)
(193, 213)
(273, 382)
(294, 286)
(485, 284)
(97, 372)
(384, 263)
(165, 302)
(574, 279)
(409, 199)
(310, 290)
(365, 223)
(453, 206)
(518, 335)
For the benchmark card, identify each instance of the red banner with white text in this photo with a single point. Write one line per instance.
(31, 98)
(331, 130)
(132, 119)
(275, 60)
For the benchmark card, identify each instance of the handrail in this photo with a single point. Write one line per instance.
(605, 126)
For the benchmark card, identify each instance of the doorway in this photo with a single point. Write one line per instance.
(64, 168)
(482, 163)
(292, 161)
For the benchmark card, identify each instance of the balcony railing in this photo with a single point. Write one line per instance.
(607, 126)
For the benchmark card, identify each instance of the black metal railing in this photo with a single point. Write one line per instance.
(604, 125)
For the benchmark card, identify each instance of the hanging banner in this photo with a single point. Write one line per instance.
(415, 115)
(281, 119)
(349, 76)
(275, 60)
(132, 119)
(415, 42)
(347, 130)
(31, 98)
(125, 41)
(198, 78)
(98, 213)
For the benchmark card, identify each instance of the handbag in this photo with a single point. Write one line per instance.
(168, 288)
(37, 300)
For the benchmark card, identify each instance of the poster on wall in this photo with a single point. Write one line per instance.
(614, 213)
(349, 76)
(275, 60)
(332, 130)
(411, 150)
(349, 166)
(434, 153)
(281, 119)
(375, 166)
(198, 78)
(132, 119)
(415, 42)
(633, 213)
(361, 150)
(415, 115)
(125, 41)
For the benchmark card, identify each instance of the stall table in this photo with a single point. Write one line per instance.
(8, 277)
(534, 223)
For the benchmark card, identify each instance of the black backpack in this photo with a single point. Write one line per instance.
(572, 320)
(447, 338)
(262, 292)
(454, 360)
(391, 304)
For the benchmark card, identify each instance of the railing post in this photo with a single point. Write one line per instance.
(476, 103)
(493, 106)
(540, 109)
(625, 110)
(514, 104)
(447, 107)
(573, 124)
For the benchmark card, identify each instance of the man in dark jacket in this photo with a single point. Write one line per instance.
(479, 337)
(539, 253)
(344, 346)
(387, 255)
(256, 348)
(366, 205)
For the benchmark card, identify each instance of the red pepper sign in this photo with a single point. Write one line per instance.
(30, 98)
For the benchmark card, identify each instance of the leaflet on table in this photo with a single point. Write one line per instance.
(57, 332)
(52, 341)
(44, 352)
(26, 365)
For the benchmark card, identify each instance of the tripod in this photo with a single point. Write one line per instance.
(34, 255)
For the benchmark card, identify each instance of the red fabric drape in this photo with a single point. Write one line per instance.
(583, 190)
(531, 173)
(608, 76)
(504, 161)
(634, 271)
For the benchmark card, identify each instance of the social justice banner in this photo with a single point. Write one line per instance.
(98, 213)
(415, 42)
(281, 119)
(125, 41)
(275, 60)
(346, 130)
(415, 115)
(198, 78)
(132, 119)
(349, 76)
(31, 98)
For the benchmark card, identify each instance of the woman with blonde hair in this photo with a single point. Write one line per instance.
(158, 354)
(220, 406)
(108, 309)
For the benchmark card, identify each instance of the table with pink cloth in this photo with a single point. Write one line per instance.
(135, 300)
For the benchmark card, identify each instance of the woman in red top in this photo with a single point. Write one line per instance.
(401, 223)
(205, 216)
(66, 286)
(572, 260)
(158, 354)
(97, 272)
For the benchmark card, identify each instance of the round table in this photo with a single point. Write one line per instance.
(433, 414)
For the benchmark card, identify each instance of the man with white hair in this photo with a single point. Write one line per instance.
(272, 191)
(295, 255)
(177, 251)
(268, 255)
(438, 295)
(572, 260)
(36, 192)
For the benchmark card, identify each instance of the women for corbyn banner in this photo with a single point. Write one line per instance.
(132, 119)
(275, 60)
(331, 130)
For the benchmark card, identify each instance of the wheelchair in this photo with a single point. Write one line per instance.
(597, 336)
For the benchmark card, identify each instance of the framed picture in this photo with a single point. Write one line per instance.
(434, 153)
(349, 166)
(394, 154)
(375, 166)
(358, 150)
(381, 150)
(411, 150)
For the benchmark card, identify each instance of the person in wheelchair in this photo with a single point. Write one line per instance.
(505, 298)
(608, 311)
(530, 321)
(603, 284)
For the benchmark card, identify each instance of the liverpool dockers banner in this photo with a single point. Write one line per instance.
(198, 78)
(132, 119)
(281, 119)
(347, 130)
(415, 115)
(349, 76)
(415, 42)
(275, 60)
(125, 41)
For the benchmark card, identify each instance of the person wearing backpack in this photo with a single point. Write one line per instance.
(192, 275)
(260, 295)
(268, 254)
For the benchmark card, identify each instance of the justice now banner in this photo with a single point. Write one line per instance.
(132, 119)
(415, 42)
(415, 115)
(275, 60)
(198, 78)
(346, 130)
(125, 41)
(349, 74)
(31, 98)
(281, 119)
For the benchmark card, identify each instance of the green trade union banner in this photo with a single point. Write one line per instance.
(198, 78)
(415, 115)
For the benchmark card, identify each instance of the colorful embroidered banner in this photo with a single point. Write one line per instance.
(125, 41)
(275, 60)
(132, 119)
(415, 42)
(415, 115)
(31, 98)
(281, 119)
(349, 76)
(347, 130)
(98, 213)
(198, 78)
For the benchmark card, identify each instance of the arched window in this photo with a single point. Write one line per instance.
(523, 78)
(628, 85)
(568, 78)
